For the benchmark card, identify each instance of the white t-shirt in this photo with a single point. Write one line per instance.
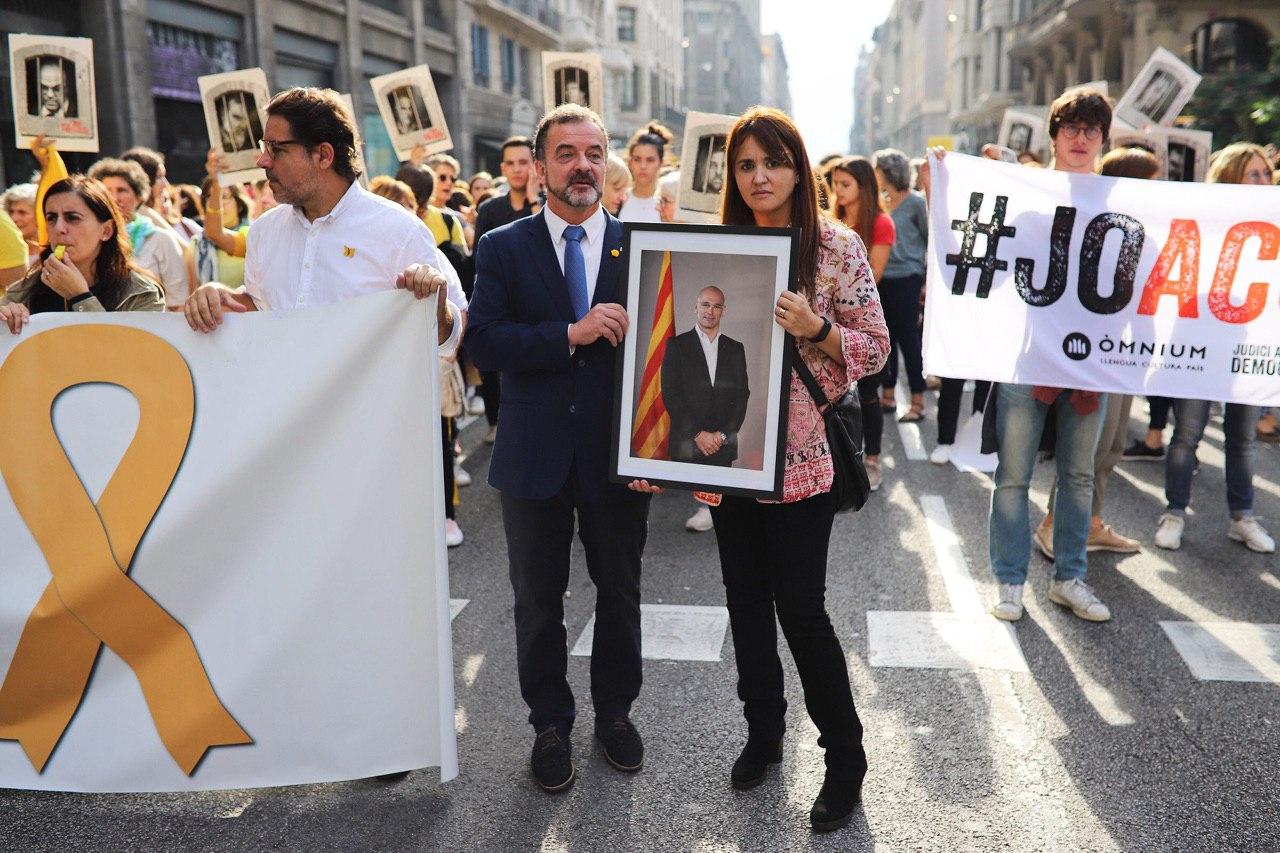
(637, 209)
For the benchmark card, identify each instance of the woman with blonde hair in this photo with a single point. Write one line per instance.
(617, 184)
(773, 556)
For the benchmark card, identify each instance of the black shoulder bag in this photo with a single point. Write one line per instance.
(843, 420)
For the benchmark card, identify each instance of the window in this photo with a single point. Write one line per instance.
(631, 90)
(626, 23)
(480, 54)
(1229, 45)
(433, 15)
(507, 56)
(389, 5)
(526, 85)
(655, 93)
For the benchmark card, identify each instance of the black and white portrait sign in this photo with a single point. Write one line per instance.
(234, 112)
(1159, 92)
(1023, 129)
(53, 91)
(573, 78)
(1183, 154)
(704, 170)
(410, 108)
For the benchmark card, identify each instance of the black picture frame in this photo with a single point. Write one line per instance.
(757, 264)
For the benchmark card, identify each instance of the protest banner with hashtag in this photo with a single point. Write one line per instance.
(1106, 284)
(216, 574)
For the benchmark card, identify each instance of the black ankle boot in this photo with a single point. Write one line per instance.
(835, 804)
(750, 768)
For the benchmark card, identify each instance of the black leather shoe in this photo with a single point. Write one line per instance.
(622, 745)
(835, 804)
(552, 761)
(750, 768)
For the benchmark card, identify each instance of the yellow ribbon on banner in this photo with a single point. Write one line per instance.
(91, 601)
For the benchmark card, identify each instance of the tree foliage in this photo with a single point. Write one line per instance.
(1240, 106)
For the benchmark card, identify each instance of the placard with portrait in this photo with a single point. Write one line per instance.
(53, 91)
(704, 169)
(235, 114)
(573, 78)
(410, 108)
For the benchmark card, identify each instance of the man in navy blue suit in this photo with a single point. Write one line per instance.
(545, 314)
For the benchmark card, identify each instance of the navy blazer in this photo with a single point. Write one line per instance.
(557, 408)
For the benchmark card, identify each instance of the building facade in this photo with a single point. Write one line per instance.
(775, 82)
(722, 62)
(900, 84)
(1003, 53)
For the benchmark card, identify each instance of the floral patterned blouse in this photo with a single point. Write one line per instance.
(845, 293)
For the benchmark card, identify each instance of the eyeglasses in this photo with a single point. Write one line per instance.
(1092, 132)
(274, 149)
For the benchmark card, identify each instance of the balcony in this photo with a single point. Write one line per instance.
(541, 14)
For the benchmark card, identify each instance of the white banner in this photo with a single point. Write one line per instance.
(1107, 284)
(273, 493)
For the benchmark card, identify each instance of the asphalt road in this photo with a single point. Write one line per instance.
(1106, 742)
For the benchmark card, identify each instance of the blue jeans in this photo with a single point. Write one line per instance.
(1019, 421)
(1190, 417)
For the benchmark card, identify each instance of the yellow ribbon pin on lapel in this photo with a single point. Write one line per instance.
(89, 549)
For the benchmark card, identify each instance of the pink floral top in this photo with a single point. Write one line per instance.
(845, 293)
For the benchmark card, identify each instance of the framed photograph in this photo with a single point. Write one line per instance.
(235, 105)
(1188, 154)
(704, 170)
(573, 78)
(410, 108)
(702, 378)
(1023, 130)
(53, 91)
(1159, 92)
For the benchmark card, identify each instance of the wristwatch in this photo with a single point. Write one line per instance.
(822, 335)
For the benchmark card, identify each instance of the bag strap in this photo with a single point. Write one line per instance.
(802, 370)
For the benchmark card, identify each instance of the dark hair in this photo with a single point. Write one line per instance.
(1080, 105)
(864, 174)
(657, 135)
(1130, 162)
(191, 205)
(775, 132)
(114, 264)
(458, 199)
(564, 114)
(208, 188)
(316, 117)
(150, 160)
(516, 142)
(127, 171)
(420, 180)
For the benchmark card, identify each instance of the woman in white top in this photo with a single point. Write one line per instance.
(646, 151)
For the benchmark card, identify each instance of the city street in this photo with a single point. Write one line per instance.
(1078, 737)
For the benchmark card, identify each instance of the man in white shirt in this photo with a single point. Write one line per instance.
(329, 239)
(705, 387)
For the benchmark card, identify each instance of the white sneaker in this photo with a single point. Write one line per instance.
(460, 476)
(1077, 595)
(475, 406)
(452, 533)
(941, 454)
(1169, 533)
(1252, 534)
(700, 521)
(1009, 608)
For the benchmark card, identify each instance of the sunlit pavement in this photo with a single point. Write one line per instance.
(1056, 734)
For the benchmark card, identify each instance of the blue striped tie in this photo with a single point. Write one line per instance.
(575, 270)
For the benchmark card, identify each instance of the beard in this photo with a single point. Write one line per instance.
(577, 196)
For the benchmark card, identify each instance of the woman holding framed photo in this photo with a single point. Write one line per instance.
(773, 556)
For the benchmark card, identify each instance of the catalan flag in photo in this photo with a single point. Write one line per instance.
(652, 424)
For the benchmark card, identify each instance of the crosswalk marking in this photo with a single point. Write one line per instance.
(456, 605)
(1228, 651)
(672, 632)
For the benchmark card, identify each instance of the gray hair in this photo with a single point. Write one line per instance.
(18, 194)
(895, 167)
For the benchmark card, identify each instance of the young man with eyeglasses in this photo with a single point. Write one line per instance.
(329, 239)
(1079, 123)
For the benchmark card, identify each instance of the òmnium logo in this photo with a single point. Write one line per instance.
(1076, 346)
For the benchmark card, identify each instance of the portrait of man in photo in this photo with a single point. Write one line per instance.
(572, 87)
(705, 387)
(1020, 137)
(409, 111)
(709, 169)
(1158, 95)
(51, 90)
(238, 121)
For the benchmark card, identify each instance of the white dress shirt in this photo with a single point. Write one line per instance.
(357, 248)
(710, 351)
(161, 255)
(592, 244)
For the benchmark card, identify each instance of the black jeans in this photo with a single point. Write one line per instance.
(491, 393)
(539, 536)
(872, 414)
(900, 298)
(446, 439)
(1160, 407)
(949, 397)
(774, 559)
